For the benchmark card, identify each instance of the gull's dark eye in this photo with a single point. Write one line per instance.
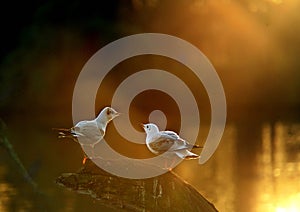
(75, 129)
(108, 112)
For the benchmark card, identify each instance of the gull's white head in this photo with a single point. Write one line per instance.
(107, 114)
(150, 128)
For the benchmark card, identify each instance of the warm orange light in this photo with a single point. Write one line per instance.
(279, 176)
(276, 1)
(293, 207)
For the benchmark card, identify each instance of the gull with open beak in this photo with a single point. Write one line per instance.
(90, 132)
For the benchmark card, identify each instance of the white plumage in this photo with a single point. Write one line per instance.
(159, 142)
(90, 132)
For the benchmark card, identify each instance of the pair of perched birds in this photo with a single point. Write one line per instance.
(92, 132)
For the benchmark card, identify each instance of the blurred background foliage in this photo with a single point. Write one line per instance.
(253, 48)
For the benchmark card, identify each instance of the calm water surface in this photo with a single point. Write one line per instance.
(255, 168)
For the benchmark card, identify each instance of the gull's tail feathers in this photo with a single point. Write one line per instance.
(186, 154)
(65, 133)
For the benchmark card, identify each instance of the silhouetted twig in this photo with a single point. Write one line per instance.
(8, 146)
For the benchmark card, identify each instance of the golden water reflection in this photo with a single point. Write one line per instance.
(7, 191)
(279, 186)
(216, 178)
(254, 169)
